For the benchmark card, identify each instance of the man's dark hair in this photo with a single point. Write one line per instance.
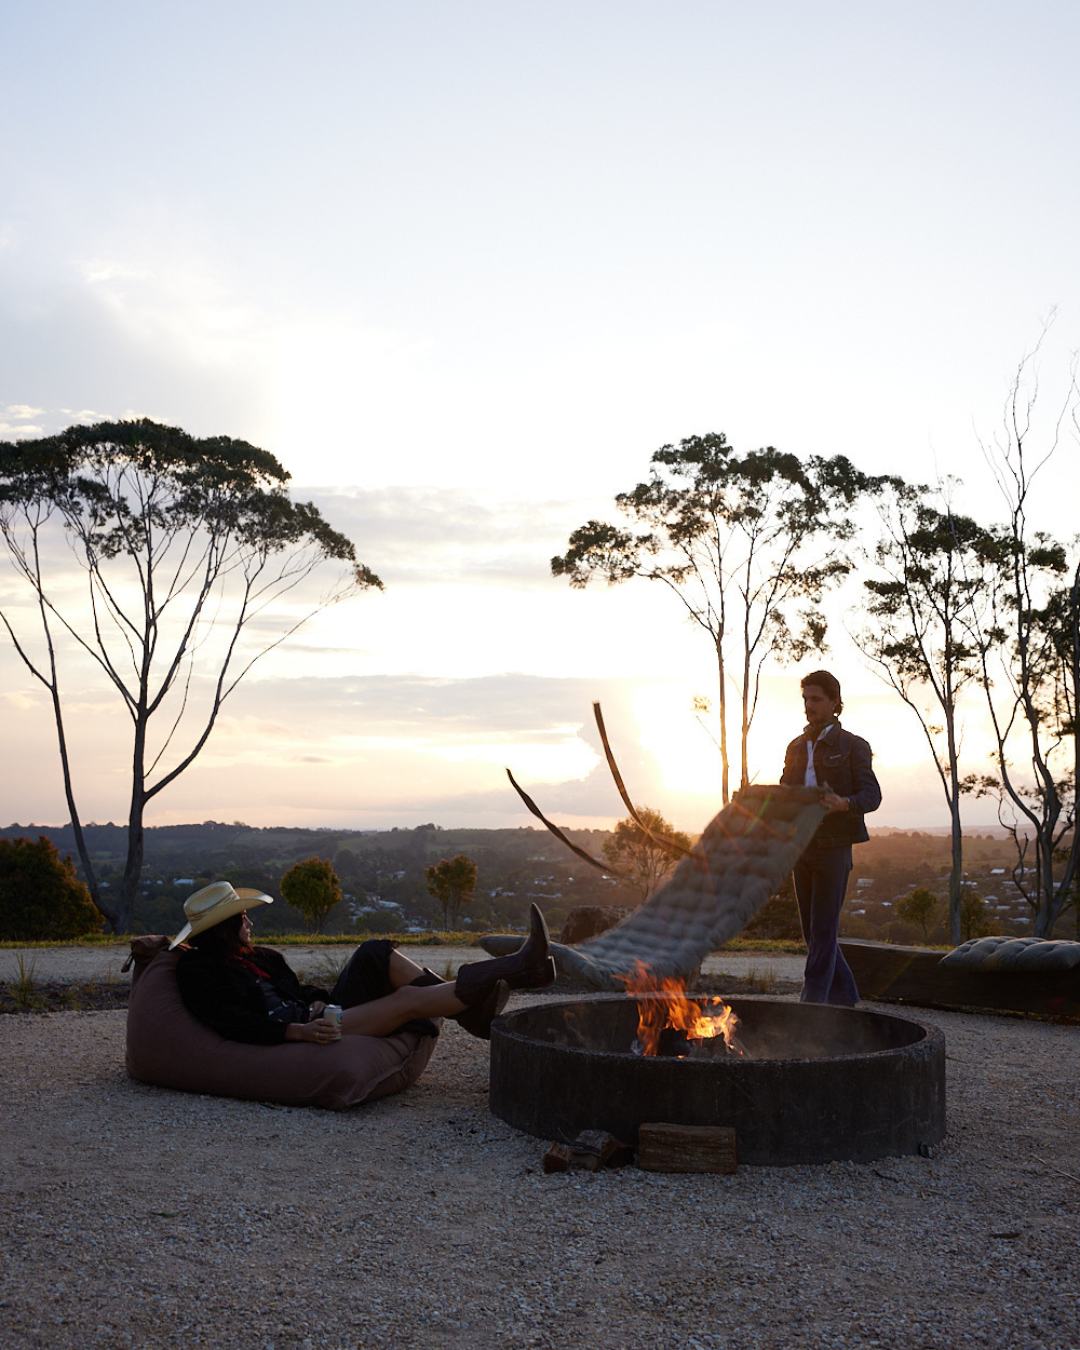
(826, 682)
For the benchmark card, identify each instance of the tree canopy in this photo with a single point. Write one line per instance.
(1028, 646)
(918, 907)
(642, 853)
(998, 609)
(313, 888)
(41, 898)
(923, 607)
(452, 883)
(733, 537)
(185, 546)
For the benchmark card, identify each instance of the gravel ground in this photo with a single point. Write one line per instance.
(79, 964)
(136, 1216)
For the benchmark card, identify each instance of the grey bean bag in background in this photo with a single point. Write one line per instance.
(170, 1048)
(1012, 953)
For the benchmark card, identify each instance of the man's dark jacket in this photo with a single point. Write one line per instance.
(227, 997)
(842, 763)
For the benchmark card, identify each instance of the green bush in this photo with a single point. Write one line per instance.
(974, 916)
(40, 895)
(778, 918)
(919, 907)
(312, 887)
(452, 883)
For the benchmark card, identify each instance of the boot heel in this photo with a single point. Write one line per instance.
(477, 1020)
(540, 978)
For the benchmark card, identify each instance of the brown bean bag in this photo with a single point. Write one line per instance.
(169, 1047)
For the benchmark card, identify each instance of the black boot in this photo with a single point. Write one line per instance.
(531, 967)
(477, 1019)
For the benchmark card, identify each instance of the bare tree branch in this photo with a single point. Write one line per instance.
(180, 541)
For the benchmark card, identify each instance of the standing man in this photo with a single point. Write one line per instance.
(827, 756)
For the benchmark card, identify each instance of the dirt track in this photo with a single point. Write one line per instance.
(69, 964)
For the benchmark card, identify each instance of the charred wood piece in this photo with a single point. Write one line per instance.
(590, 1151)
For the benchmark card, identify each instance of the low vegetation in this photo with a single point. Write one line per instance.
(313, 888)
(384, 887)
(40, 894)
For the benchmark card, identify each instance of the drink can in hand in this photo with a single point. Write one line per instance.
(332, 1013)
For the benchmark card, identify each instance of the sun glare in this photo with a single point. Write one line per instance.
(685, 743)
(557, 763)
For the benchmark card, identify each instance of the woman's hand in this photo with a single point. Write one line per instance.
(320, 1032)
(316, 1010)
(833, 803)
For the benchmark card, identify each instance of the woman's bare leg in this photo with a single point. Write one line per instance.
(383, 1015)
(402, 970)
(484, 986)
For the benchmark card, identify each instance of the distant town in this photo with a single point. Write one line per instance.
(384, 888)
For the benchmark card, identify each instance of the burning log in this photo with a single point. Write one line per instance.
(672, 1025)
(686, 1148)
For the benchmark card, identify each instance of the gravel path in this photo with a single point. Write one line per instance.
(135, 1216)
(71, 964)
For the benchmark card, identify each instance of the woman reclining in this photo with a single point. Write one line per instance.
(248, 993)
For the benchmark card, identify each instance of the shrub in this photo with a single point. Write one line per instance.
(974, 916)
(778, 918)
(40, 895)
(452, 882)
(312, 887)
(919, 907)
(635, 852)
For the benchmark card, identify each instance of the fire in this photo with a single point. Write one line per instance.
(662, 1005)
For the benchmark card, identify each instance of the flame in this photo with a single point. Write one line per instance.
(673, 1009)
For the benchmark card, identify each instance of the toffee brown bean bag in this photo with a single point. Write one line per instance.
(169, 1047)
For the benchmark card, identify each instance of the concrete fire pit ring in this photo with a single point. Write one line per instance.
(818, 1084)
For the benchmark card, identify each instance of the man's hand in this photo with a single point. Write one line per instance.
(832, 803)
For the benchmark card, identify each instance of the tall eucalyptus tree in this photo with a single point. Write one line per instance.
(1028, 647)
(923, 606)
(747, 544)
(179, 541)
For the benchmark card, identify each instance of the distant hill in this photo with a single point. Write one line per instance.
(382, 873)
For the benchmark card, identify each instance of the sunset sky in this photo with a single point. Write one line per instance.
(463, 267)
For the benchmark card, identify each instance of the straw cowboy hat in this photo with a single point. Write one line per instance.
(213, 904)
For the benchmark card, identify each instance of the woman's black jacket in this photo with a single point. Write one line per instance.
(227, 997)
(842, 763)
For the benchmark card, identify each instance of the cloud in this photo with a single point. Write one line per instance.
(362, 751)
(510, 706)
(163, 340)
(22, 410)
(59, 419)
(22, 701)
(409, 533)
(87, 416)
(380, 750)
